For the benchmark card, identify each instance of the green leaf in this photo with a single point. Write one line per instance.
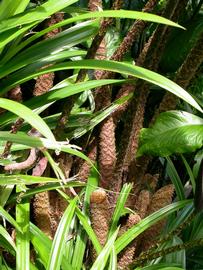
(41, 243)
(23, 239)
(35, 15)
(107, 13)
(32, 191)
(45, 52)
(173, 132)
(147, 222)
(101, 260)
(120, 205)
(19, 179)
(123, 68)
(48, 98)
(56, 254)
(28, 115)
(173, 174)
(85, 223)
(177, 257)
(9, 8)
(190, 173)
(113, 260)
(82, 236)
(10, 219)
(6, 236)
(161, 266)
(36, 142)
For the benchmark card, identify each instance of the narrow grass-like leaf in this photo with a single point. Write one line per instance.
(10, 219)
(32, 191)
(173, 174)
(144, 224)
(56, 254)
(190, 173)
(92, 236)
(35, 15)
(6, 236)
(9, 8)
(113, 260)
(107, 13)
(99, 117)
(49, 98)
(81, 239)
(120, 205)
(123, 68)
(16, 179)
(28, 115)
(41, 243)
(46, 51)
(101, 260)
(23, 239)
(161, 266)
(21, 138)
(10, 35)
(5, 193)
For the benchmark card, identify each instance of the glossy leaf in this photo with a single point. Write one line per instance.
(123, 68)
(46, 51)
(147, 222)
(173, 132)
(35, 15)
(9, 8)
(56, 254)
(28, 115)
(101, 260)
(23, 239)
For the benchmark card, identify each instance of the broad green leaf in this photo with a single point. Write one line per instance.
(123, 68)
(23, 239)
(9, 8)
(56, 254)
(173, 132)
(28, 115)
(101, 260)
(35, 15)
(46, 51)
(147, 222)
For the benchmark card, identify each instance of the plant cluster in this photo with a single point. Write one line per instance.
(101, 134)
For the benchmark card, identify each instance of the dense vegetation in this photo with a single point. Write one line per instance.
(101, 134)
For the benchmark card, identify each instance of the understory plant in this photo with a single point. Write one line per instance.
(88, 97)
